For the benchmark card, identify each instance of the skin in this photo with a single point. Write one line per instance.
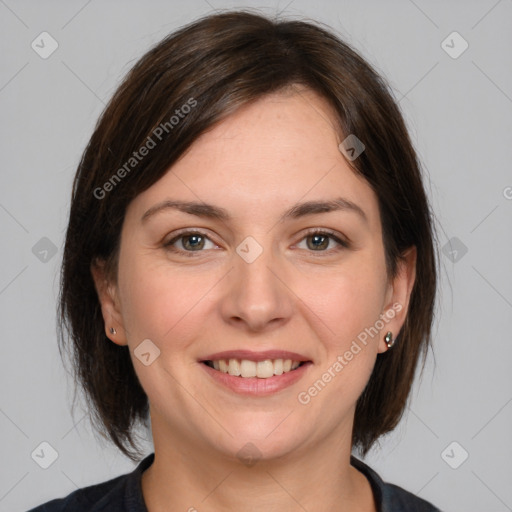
(257, 163)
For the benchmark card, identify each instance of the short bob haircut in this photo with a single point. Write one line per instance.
(218, 64)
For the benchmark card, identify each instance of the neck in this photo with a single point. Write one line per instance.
(184, 477)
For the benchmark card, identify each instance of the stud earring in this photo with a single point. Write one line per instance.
(113, 331)
(389, 339)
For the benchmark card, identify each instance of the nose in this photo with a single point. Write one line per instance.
(258, 297)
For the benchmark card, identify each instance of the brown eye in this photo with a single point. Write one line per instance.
(192, 242)
(323, 242)
(189, 242)
(317, 242)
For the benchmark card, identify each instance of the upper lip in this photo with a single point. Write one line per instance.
(256, 356)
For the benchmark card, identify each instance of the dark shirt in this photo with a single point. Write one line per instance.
(124, 494)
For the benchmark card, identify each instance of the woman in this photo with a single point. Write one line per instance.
(249, 265)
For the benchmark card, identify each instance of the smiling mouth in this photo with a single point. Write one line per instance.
(246, 368)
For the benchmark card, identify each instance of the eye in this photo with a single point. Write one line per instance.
(189, 241)
(322, 241)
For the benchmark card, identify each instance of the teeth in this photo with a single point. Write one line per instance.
(261, 369)
(247, 368)
(234, 367)
(265, 369)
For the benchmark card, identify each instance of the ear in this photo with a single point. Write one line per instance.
(398, 296)
(108, 297)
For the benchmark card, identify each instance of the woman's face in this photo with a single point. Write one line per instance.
(237, 279)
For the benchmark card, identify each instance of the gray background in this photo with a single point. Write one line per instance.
(459, 111)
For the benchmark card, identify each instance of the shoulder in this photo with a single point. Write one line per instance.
(398, 499)
(120, 494)
(390, 497)
(88, 499)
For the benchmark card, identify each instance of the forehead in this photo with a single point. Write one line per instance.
(273, 127)
(270, 154)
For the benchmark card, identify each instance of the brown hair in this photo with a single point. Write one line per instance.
(222, 62)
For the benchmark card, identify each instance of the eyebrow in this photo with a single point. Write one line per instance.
(200, 209)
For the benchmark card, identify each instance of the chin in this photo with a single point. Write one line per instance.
(261, 436)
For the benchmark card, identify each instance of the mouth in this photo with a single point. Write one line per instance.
(256, 373)
(247, 368)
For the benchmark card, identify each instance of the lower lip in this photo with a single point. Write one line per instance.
(253, 385)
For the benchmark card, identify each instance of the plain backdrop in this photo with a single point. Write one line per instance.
(453, 446)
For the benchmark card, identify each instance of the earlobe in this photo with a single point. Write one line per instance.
(400, 293)
(107, 296)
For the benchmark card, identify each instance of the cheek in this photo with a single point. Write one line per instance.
(160, 302)
(347, 302)
(350, 307)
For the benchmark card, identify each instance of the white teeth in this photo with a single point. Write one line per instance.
(261, 369)
(247, 368)
(265, 369)
(234, 367)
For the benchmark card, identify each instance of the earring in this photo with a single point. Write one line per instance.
(389, 339)
(113, 331)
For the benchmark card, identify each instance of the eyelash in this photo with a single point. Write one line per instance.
(342, 244)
